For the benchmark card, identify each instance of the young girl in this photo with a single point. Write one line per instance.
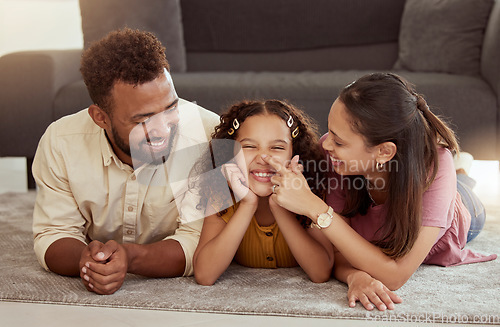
(393, 202)
(256, 232)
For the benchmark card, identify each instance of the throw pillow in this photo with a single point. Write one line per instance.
(443, 35)
(160, 17)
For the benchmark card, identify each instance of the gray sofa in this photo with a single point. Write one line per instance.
(222, 51)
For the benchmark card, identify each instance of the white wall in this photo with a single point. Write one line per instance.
(39, 24)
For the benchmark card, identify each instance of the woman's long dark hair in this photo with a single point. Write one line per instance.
(305, 144)
(385, 108)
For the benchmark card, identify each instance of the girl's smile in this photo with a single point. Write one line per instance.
(262, 176)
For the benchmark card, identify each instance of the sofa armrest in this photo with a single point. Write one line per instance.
(29, 83)
(490, 63)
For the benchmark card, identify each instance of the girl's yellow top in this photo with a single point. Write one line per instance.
(262, 246)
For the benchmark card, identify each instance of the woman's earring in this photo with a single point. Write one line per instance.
(380, 166)
(289, 123)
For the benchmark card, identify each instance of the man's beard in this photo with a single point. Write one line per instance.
(142, 154)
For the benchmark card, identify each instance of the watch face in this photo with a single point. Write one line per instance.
(324, 220)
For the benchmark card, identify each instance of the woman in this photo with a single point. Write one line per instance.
(393, 202)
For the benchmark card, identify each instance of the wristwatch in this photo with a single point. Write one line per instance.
(324, 219)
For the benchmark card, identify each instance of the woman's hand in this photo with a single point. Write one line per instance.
(239, 184)
(368, 290)
(291, 191)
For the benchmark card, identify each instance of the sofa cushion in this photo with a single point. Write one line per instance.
(381, 56)
(263, 25)
(161, 17)
(443, 35)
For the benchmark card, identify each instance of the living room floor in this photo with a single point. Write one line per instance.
(486, 173)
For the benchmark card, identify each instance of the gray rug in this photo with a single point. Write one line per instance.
(463, 294)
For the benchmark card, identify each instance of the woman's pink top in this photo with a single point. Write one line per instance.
(443, 208)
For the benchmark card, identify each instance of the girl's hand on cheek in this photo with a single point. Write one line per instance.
(239, 184)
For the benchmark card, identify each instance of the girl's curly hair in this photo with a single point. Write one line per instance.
(305, 144)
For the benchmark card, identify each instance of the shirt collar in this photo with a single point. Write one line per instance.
(109, 155)
(106, 149)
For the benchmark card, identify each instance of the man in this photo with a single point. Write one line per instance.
(105, 205)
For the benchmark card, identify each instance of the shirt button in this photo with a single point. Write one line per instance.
(130, 208)
(269, 233)
(133, 177)
(269, 258)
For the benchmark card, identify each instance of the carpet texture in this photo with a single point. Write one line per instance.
(463, 294)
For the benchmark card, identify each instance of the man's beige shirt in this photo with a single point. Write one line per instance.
(85, 192)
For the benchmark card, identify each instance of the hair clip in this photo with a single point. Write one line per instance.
(236, 124)
(290, 122)
(295, 132)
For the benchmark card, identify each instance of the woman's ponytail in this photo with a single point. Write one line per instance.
(437, 134)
